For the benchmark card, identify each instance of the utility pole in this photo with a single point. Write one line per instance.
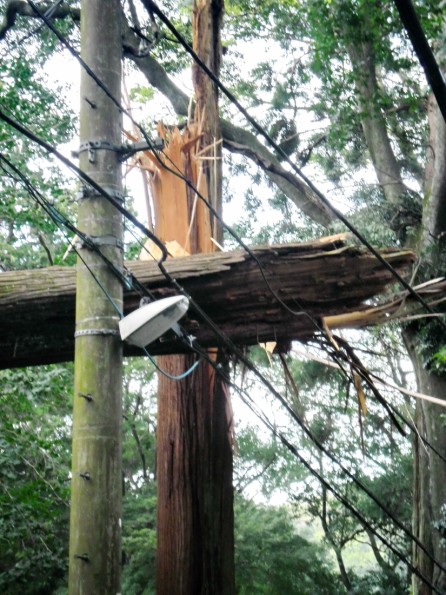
(96, 493)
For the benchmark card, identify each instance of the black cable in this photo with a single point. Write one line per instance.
(202, 198)
(342, 499)
(61, 219)
(219, 333)
(250, 366)
(151, 6)
(423, 51)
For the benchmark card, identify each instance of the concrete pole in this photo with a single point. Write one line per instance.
(96, 495)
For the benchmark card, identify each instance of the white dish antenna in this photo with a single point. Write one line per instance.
(149, 322)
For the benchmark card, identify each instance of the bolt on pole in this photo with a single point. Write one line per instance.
(96, 491)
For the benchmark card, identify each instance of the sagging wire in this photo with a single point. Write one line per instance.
(302, 311)
(423, 51)
(162, 268)
(86, 178)
(174, 171)
(234, 350)
(60, 220)
(151, 6)
(394, 409)
(249, 402)
(214, 327)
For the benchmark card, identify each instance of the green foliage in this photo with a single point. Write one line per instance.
(272, 559)
(139, 541)
(34, 478)
(27, 237)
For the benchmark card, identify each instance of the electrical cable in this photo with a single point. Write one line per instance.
(147, 232)
(216, 330)
(151, 6)
(250, 366)
(214, 212)
(323, 481)
(423, 51)
(86, 178)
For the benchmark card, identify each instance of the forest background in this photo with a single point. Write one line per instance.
(336, 85)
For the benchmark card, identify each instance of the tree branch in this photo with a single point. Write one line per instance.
(235, 139)
(15, 8)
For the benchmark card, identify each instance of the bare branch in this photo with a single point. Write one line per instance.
(16, 8)
(235, 139)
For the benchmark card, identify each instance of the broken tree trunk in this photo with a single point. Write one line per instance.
(326, 277)
(195, 550)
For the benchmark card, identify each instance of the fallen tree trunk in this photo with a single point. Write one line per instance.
(315, 279)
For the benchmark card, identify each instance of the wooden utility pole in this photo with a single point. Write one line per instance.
(95, 523)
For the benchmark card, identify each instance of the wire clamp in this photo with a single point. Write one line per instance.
(128, 278)
(83, 557)
(93, 242)
(144, 301)
(85, 475)
(96, 331)
(91, 146)
(89, 192)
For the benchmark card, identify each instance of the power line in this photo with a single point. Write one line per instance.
(329, 486)
(151, 6)
(250, 366)
(214, 327)
(423, 51)
(215, 213)
(59, 219)
(160, 264)
(86, 178)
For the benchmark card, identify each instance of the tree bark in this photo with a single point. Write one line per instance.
(194, 439)
(325, 276)
(429, 473)
(373, 122)
(429, 470)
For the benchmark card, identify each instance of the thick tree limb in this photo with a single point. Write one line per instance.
(324, 277)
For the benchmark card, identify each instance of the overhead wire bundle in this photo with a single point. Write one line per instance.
(221, 337)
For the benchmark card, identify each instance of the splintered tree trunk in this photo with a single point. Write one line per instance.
(195, 552)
